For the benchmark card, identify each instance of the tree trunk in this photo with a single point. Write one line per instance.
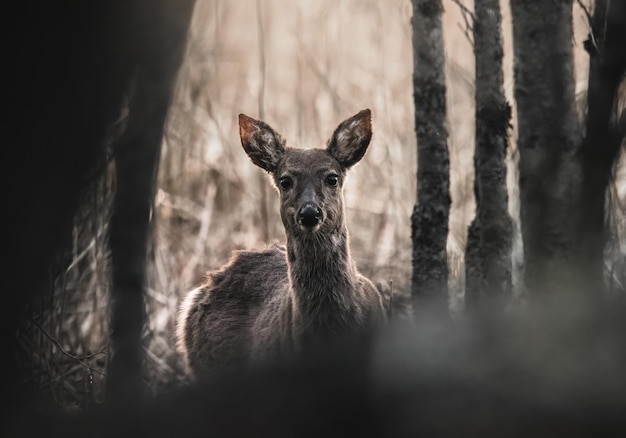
(429, 221)
(488, 254)
(548, 136)
(161, 30)
(600, 148)
(67, 79)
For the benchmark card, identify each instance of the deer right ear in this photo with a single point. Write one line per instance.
(264, 146)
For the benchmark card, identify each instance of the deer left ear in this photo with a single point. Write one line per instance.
(351, 139)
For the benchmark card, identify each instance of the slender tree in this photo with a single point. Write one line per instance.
(488, 254)
(548, 137)
(157, 44)
(603, 133)
(429, 221)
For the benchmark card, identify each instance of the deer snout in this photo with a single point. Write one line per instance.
(309, 215)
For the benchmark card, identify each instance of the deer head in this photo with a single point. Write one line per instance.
(309, 181)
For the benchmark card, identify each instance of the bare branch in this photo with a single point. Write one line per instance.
(262, 70)
(80, 360)
(586, 11)
(468, 18)
(467, 34)
(464, 9)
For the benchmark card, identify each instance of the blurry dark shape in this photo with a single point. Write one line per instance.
(548, 141)
(429, 221)
(603, 134)
(528, 374)
(488, 253)
(69, 66)
(157, 40)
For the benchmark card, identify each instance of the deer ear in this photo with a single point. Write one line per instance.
(351, 138)
(264, 146)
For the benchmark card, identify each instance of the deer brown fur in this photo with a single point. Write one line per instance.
(280, 299)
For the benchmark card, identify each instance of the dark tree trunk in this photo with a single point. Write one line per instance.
(161, 28)
(429, 221)
(548, 137)
(488, 254)
(603, 135)
(474, 277)
(66, 73)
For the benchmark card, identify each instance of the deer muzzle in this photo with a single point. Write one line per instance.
(309, 215)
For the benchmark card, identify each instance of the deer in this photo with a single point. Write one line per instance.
(280, 299)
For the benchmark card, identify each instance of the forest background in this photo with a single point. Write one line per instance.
(302, 67)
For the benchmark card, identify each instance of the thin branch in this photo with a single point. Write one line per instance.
(590, 24)
(391, 299)
(586, 11)
(261, 37)
(78, 359)
(265, 228)
(469, 22)
(464, 9)
(467, 34)
(158, 361)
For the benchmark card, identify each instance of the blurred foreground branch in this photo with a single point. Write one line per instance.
(159, 42)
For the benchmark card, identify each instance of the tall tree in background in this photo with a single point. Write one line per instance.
(548, 137)
(603, 133)
(157, 42)
(488, 254)
(429, 221)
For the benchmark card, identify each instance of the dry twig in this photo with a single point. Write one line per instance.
(80, 360)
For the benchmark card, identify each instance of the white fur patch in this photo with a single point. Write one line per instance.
(181, 320)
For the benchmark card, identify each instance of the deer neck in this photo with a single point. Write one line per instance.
(322, 282)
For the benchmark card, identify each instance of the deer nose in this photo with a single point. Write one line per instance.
(309, 215)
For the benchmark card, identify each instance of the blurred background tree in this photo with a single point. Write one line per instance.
(429, 221)
(604, 129)
(548, 140)
(488, 257)
(157, 39)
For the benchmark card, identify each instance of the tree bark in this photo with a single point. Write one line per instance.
(488, 254)
(429, 221)
(603, 135)
(548, 137)
(161, 28)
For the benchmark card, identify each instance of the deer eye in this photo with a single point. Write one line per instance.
(285, 183)
(332, 180)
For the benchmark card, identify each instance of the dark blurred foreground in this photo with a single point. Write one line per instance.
(536, 372)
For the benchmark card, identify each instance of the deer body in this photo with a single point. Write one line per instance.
(283, 298)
